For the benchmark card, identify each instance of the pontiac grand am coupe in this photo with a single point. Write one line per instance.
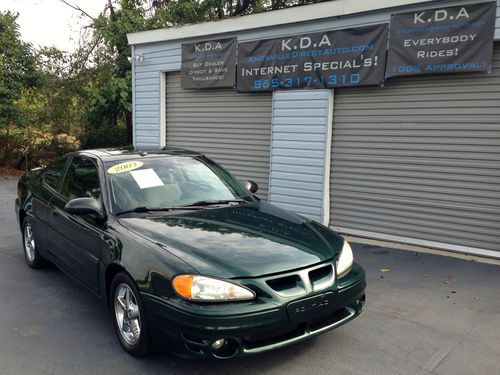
(186, 257)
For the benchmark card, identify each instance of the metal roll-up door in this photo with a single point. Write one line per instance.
(231, 128)
(418, 161)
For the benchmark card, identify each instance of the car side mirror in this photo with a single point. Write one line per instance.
(251, 186)
(84, 206)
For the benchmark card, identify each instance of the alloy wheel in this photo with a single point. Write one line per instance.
(127, 314)
(29, 242)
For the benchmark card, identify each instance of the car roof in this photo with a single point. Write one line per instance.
(127, 153)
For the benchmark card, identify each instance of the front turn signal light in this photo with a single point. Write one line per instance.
(202, 288)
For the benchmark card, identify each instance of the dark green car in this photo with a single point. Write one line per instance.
(187, 258)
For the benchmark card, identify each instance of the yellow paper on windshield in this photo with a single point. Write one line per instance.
(125, 167)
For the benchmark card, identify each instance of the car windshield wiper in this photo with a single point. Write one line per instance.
(152, 209)
(191, 206)
(212, 202)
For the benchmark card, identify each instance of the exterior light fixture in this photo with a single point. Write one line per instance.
(136, 58)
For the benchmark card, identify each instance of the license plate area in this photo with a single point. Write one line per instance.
(311, 308)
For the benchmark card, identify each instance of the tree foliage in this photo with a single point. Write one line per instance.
(52, 101)
(17, 70)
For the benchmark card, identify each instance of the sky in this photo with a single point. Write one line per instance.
(51, 22)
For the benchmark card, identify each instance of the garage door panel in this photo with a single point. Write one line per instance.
(419, 159)
(228, 121)
(488, 93)
(446, 224)
(389, 118)
(435, 105)
(416, 232)
(420, 192)
(416, 131)
(475, 212)
(344, 195)
(421, 142)
(396, 162)
(466, 168)
(429, 111)
(231, 128)
(426, 180)
(376, 152)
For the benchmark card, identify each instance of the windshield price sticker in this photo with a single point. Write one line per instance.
(340, 58)
(146, 178)
(444, 40)
(125, 167)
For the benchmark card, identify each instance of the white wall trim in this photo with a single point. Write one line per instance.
(163, 109)
(132, 51)
(415, 241)
(328, 157)
(275, 18)
(273, 101)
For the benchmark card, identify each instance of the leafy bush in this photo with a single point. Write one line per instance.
(104, 136)
(25, 148)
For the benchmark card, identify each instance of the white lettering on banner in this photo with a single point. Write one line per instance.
(440, 40)
(437, 53)
(202, 47)
(339, 65)
(305, 42)
(268, 70)
(441, 15)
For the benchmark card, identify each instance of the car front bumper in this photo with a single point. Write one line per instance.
(189, 330)
(17, 207)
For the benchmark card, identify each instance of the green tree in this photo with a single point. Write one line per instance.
(17, 74)
(102, 61)
(101, 66)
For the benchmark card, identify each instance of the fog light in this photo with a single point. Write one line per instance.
(225, 348)
(217, 344)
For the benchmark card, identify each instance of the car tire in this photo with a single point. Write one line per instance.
(31, 252)
(128, 316)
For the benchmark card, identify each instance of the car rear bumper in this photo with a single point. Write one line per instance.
(192, 334)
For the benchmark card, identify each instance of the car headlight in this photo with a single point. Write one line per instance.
(345, 260)
(202, 288)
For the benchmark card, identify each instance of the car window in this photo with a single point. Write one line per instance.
(81, 180)
(53, 174)
(170, 181)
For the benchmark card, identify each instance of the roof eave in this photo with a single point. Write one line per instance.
(311, 12)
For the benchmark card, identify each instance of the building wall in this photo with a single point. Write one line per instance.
(418, 161)
(300, 150)
(301, 120)
(166, 57)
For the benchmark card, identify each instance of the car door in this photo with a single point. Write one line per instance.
(75, 239)
(42, 194)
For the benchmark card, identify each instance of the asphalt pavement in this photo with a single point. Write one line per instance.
(425, 314)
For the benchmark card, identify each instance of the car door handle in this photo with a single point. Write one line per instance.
(54, 213)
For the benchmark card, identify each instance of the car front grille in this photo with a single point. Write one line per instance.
(301, 282)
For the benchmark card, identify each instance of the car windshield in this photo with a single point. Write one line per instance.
(170, 181)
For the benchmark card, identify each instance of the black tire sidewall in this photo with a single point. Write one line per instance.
(143, 346)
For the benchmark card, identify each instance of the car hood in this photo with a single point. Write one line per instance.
(245, 240)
